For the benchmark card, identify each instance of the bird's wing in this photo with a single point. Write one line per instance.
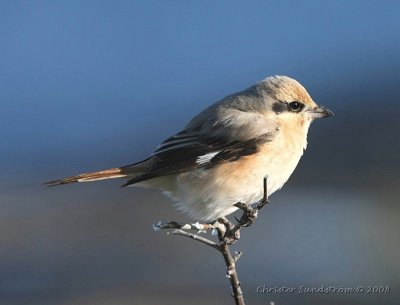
(215, 136)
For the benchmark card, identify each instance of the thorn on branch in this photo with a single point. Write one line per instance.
(237, 255)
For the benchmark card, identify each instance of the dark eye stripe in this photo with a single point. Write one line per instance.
(279, 107)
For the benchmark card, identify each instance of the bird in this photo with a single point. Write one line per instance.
(220, 158)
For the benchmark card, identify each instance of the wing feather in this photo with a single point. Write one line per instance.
(186, 158)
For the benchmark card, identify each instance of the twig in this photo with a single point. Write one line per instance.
(196, 237)
(228, 234)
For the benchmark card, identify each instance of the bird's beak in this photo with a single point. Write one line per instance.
(319, 112)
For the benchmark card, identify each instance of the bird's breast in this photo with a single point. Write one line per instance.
(283, 153)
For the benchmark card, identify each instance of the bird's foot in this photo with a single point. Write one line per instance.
(249, 215)
(230, 233)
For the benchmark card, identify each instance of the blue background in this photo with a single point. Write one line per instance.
(87, 85)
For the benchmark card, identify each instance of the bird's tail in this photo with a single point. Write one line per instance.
(87, 177)
(112, 173)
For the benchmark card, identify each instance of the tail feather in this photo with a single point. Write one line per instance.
(87, 177)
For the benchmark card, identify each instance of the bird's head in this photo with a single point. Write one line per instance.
(289, 102)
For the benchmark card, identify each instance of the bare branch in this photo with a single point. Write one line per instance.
(197, 237)
(200, 227)
(230, 263)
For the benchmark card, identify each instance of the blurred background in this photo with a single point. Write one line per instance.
(88, 85)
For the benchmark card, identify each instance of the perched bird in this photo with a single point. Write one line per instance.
(223, 154)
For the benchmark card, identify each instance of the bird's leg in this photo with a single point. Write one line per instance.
(264, 200)
(250, 214)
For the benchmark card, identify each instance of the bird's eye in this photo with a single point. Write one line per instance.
(296, 106)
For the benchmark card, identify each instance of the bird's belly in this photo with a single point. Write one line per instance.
(207, 194)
